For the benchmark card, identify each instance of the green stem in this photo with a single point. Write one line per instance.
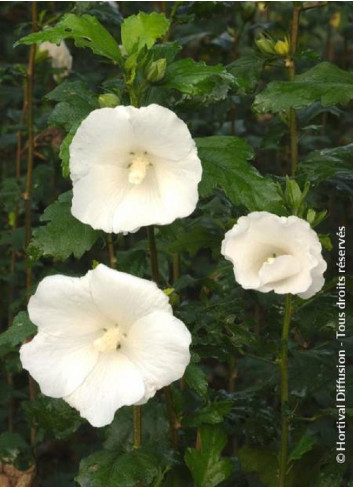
(284, 392)
(167, 392)
(291, 72)
(27, 196)
(137, 426)
(153, 253)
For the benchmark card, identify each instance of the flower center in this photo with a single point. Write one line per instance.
(110, 339)
(138, 166)
(270, 259)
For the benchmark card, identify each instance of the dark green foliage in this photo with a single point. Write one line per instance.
(54, 416)
(111, 469)
(201, 60)
(207, 466)
(225, 162)
(52, 239)
(324, 83)
(85, 30)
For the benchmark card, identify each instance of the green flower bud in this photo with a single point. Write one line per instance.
(108, 100)
(156, 70)
(282, 47)
(266, 45)
(248, 10)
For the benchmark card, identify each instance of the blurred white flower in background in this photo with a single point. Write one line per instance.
(133, 167)
(60, 57)
(269, 252)
(104, 341)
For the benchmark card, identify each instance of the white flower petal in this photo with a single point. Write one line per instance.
(59, 364)
(133, 167)
(317, 279)
(97, 196)
(158, 344)
(274, 253)
(63, 306)
(161, 133)
(113, 383)
(125, 298)
(105, 137)
(281, 268)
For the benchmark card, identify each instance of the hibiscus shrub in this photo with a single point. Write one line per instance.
(176, 193)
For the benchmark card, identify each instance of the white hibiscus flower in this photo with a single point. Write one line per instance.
(104, 341)
(60, 57)
(133, 167)
(269, 252)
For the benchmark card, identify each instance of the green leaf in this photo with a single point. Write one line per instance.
(20, 329)
(142, 30)
(64, 152)
(76, 101)
(212, 414)
(324, 83)
(52, 415)
(11, 445)
(225, 165)
(109, 469)
(207, 466)
(303, 446)
(262, 461)
(247, 71)
(327, 164)
(198, 79)
(196, 379)
(155, 427)
(85, 30)
(54, 240)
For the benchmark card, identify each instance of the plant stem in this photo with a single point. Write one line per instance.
(111, 252)
(153, 253)
(291, 74)
(284, 392)
(137, 426)
(27, 196)
(167, 392)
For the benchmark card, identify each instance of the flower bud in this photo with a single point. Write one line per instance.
(282, 47)
(108, 100)
(335, 20)
(247, 10)
(265, 45)
(156, 70)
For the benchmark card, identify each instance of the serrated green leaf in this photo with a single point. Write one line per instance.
(198, 79)
(63, 235)
(155, 427)
(76, 101)
(110, 469)
(247, 71)
(54, 416)
(324, 83)
(85, 30)
(20, 329)
(142, 30)
(225, 165)
(207, 466)
(196, 379)
(263, 462)
(326, 164)
(11, 445)
(213, 413)
(303, 446)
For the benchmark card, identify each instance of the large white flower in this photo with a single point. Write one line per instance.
(133, 167)
(59, 55)
(104, 341)
(269, 252)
